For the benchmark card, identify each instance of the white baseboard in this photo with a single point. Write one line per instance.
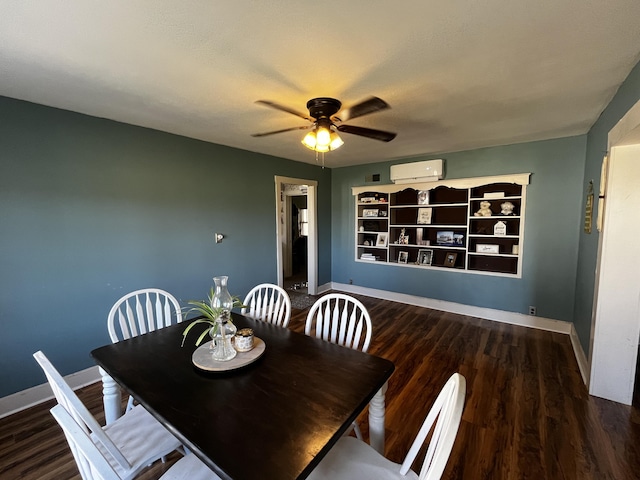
(41, 393)
(325, 287)
(581, 358)
(513, 318)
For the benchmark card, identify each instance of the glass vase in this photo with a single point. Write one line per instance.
(222, 334)
(224, 330)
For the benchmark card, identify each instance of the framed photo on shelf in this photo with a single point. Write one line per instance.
(381, 240)
(425, 257)
(450, 259)
(423, 197)
(403, 257)
(424, 215)
(458, 239)
(444, 238)
(369, 212)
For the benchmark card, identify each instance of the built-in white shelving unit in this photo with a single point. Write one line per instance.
(438, 224)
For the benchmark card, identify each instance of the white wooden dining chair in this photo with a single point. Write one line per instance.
(351, 458)
(340, 319)
(269, 303)
(140, 312)
(94, 464)
(129, 444)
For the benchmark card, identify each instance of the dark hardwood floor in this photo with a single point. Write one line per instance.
(527, 413)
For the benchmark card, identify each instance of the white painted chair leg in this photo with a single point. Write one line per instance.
(358, 432)
(376, 420)
(111, 398)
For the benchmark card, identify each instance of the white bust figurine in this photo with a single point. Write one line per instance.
(507, 208)
(484, 211)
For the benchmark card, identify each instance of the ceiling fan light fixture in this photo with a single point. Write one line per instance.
(322, 139)
(309, 140)
(323, 136)
(322, 114)
(336, 141)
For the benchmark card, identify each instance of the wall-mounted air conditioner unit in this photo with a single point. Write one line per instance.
(416, 172)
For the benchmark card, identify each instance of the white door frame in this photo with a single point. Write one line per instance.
(615, 326)
(312, 238)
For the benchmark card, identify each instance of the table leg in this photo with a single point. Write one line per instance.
(376, 420)
(111, 398)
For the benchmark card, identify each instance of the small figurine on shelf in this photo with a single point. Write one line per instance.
(403, 239)
(507, 208)
(485, 210)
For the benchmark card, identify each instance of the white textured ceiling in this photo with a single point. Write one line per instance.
(458, 75)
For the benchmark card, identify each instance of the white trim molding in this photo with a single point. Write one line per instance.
(513, 318)
(581, 358)
(41, 393)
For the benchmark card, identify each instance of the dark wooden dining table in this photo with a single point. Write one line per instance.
(274, 418)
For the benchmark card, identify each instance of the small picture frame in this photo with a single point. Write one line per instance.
(424, 215)
(444, 237)
(425, 257)
(369, 212)
(423, 197)
(381, 240)
(403, 257)
(458, 239)
(450, 259)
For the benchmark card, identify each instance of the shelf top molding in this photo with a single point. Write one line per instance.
(473, 182)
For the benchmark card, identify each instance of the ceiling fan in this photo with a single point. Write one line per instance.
(326, 120)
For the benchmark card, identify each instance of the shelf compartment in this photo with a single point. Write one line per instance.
(452, 215)
(485, 225)
(508, 189)
(494, 263)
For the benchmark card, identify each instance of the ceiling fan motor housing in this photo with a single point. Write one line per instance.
(323, 107)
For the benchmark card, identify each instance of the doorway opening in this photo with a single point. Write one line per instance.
(297, 234)
(296, 244)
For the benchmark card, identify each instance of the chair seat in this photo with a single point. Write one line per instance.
(351, 458)
(140, 438)
(189, 467)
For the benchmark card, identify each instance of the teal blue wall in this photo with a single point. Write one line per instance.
(91, 209)
(553, 222)
(627, 96)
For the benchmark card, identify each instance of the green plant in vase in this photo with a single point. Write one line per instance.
(217, 313)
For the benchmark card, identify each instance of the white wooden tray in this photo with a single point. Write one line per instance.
(202, 357)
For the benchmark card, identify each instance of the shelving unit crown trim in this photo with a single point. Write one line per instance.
(472, 182)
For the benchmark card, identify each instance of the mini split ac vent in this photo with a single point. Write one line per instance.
(427, 171)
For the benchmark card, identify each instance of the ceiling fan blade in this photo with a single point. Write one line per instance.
(280, 131)
(370, 105)
(277, 106)
(367, 132)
